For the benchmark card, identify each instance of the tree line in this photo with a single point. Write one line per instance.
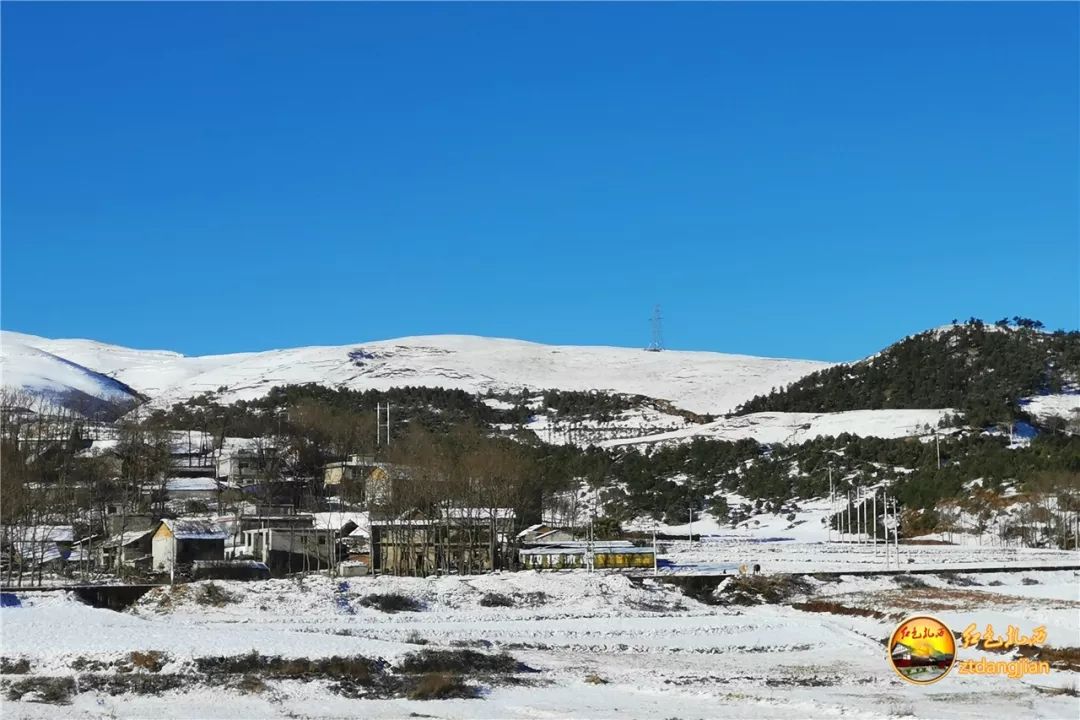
(982, 371)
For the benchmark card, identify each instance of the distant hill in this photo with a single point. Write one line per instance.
(700, 382)
(982, 370)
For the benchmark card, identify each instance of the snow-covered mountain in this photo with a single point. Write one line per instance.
(702, 382)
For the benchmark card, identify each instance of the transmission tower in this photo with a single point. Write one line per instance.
(657, 343)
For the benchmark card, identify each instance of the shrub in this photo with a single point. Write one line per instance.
(391, 602)
(51, 690)
(594, 679)
(463, 662)
(137, 683)
(1029, 581)
(908, 581)
(439, 686)
(496, 600)
(14, 667)
(213, 594)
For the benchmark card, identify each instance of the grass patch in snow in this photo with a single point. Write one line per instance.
(1060, 658)
(151, 661)
(440, 686)
(415, 638)
(250, 685)
(355, 668)
(909, 581)
(835, 608)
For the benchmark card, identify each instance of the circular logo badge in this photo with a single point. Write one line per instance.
(922, 650)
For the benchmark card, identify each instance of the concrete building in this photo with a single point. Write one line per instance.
(291, 549)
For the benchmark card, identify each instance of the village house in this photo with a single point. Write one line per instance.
(363, 480)
(191, 454)
(132, 548)
(452, 540)
(41, 544)
(178, 543)
(243, 467)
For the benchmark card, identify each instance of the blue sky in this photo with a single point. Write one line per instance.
(811, 180)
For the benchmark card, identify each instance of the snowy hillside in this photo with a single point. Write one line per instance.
(58, 379)
(702, 382)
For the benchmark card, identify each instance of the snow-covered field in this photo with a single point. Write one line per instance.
(603, 647)
(704, 382)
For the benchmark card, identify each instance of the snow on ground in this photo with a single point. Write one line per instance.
(793, 428)
(657, 652)
(804, 557)
(704, 382)
(805, 544)
(1064, 405)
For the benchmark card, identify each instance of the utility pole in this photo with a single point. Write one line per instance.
(885, 522)
(832, 505)
(592, 539)
(937, 447)
(860, 523)
(849, 516)
(873, 520)
(896, 533)
(655, 569)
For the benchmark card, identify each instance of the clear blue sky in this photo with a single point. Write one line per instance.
(811, 180)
